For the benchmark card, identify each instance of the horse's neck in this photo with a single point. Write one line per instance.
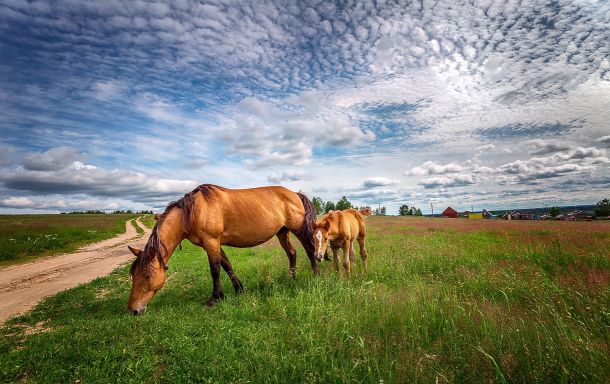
(171, 231)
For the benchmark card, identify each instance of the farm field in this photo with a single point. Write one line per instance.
(24, 237)
(443, 300)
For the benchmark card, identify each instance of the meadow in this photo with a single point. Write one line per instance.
(443, 300)
(24, 237)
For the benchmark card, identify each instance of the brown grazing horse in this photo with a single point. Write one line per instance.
(211, 216)
(341, 228)
(366, 211)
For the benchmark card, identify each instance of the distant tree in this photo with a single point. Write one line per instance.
(418, 213)
(343, 204)
(554, 211)
(603, 208)
(382, 211)
(403, 210)
(319, 204)
(329, 206)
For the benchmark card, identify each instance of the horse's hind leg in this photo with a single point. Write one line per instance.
(346, 252)
(363, 254)
(352, 254)
(226, 265)
(284, 237)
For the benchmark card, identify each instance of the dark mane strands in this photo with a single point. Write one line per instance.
(155, 243)
(306, 232)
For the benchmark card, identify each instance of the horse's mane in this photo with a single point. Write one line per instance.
(305, 232)
(155, 244)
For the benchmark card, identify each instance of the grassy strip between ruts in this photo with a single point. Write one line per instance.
(24, 237)
(515, 304)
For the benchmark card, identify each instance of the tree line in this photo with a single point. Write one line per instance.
(327, 206)
(98, 212)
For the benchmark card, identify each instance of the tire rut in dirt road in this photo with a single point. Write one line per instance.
(22, 286)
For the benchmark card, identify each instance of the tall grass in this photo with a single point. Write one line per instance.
(441, 305)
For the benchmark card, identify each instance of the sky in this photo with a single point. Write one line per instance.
(470, 104)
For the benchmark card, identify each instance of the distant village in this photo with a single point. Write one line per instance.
(517, 215)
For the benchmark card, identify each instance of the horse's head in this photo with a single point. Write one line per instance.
(148, 276)
(366, 211)
(320, 238)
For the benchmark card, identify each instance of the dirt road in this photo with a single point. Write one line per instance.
(23, 286)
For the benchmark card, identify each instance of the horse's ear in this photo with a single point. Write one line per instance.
(157, 217)
(134, 251)
(313, 224)
(327, 225)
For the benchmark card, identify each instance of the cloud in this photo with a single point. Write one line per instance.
(448, 182)
(54, 159)
(23, 202)
(433, 168)
(79, 178)
(373, 195)
(287, 134)
(197, 163)
(288, 175)
(604, 139)
(379, 182)
(541, 147)
(6, 154)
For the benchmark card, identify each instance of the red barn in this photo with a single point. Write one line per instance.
(450, 212)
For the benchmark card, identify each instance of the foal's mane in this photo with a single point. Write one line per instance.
(155, 244)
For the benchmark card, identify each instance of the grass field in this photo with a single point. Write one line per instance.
(23, 237)
(444, 300)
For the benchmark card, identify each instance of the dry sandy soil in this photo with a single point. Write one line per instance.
(23, 286)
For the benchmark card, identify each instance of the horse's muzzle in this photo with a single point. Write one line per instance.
(139, 311)
(318, 256)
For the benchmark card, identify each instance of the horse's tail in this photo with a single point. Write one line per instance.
(305, 232)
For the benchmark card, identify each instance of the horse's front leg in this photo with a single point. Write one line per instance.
(214, 256)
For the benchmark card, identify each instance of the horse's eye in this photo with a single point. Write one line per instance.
(148, 276)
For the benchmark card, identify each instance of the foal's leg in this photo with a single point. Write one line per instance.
(363, 254)
(346, 251)
(352, 254)
(214, 256)
(284, 237)
(336, 251)
(226, 265)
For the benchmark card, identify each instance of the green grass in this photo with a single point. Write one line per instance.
(148, 220)
(435, 306)
(24, 237)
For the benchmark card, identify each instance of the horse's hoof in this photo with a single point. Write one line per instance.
(210, 303)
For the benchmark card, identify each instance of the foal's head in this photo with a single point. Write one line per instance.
(148, 276)
(320, 238)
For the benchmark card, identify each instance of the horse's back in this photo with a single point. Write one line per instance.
(356, 221)
(248, 217)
